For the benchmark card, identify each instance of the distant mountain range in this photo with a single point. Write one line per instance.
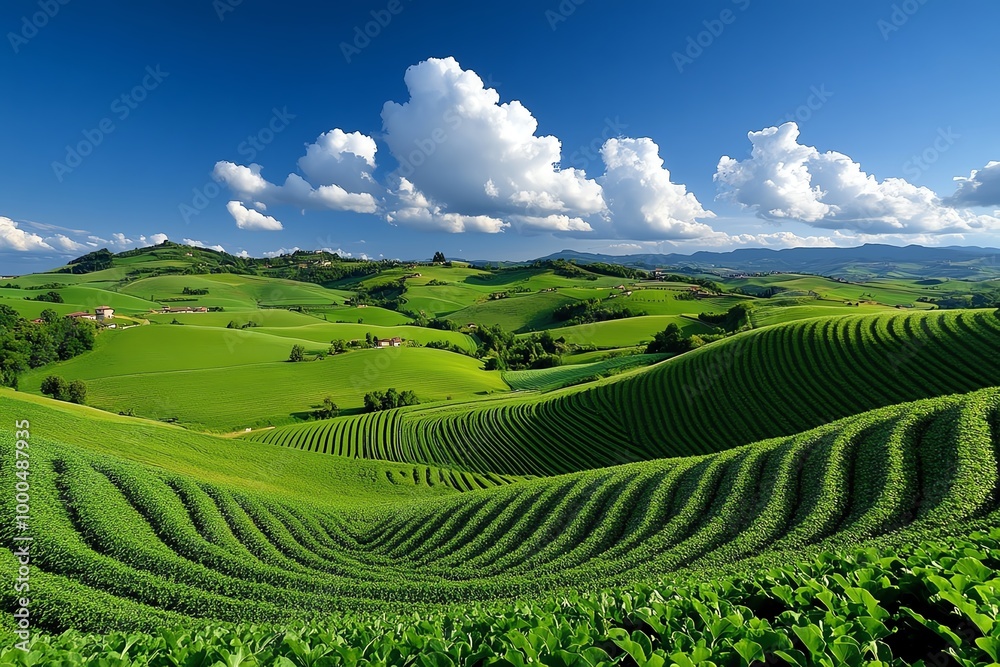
(864, 262)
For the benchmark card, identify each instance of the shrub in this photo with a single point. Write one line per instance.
(298, 353)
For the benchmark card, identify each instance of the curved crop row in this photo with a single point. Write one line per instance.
(761, 384)
(163, 545)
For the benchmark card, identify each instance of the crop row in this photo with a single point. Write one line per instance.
(761, 384)
(934, 603)
(154, 544)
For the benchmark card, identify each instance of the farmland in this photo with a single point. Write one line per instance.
(813, 483)
(727, 393)
(184, 547)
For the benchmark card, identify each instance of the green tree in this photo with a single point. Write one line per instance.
(439, 257)
(373, 401)
(56, 387)
(77, 392)
(669, 340)
(390, 399)
(298, 353)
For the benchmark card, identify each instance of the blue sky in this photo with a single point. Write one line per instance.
(891, 102)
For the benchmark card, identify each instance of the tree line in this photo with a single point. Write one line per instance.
(25, 345)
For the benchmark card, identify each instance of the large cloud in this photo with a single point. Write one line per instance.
(642, 202)
(785, 180)
(980, 188)
(13, 237)
(469, 163)
(471, 156)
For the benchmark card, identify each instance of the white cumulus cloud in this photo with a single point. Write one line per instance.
(786, 180)
(338, 167)
(476, 160)
(251, 219)
(198, 244)
(14, 238)
(980, 188)
(642, 201)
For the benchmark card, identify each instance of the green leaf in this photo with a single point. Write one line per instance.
(749, 650)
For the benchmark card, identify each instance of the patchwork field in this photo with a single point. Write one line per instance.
(820, 487)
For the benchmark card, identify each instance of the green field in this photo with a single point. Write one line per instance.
(544, 379)
(232, 380)
(761, 384)
(324, 332)
(234, 291)
(626, 332)
(821, 488)
(129, 545)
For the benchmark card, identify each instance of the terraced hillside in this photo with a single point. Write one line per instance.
(131, 545)
(761, 384)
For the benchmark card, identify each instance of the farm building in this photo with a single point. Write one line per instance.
(104, 313)
(472, 326)
(183, 309)
(81, 315)
(395, 341)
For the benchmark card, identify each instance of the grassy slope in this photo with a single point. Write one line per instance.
(233, 379)
(628, 331)
(130, 544)
(764, 383)
(234, 291)
(324, 332)
(544, 379)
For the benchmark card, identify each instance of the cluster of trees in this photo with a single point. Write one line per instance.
(734, 319)
(387, 295)
(247, 325)
(298, 353)
(439, 257)
(328, 410)
(502, 350)
(389, 399)
(672, 340)
(57, 387)
(617, 271)
(568, 269)
(439, 323)
(760, 291)
(49, 297)
(593, 310)
(705, 283)
(92, 261)
(978, 300)
(25, 345)
(194, 290)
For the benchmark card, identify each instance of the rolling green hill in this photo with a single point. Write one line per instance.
(284, 535)
(760, 384)
(218, 387)
(543, 379)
